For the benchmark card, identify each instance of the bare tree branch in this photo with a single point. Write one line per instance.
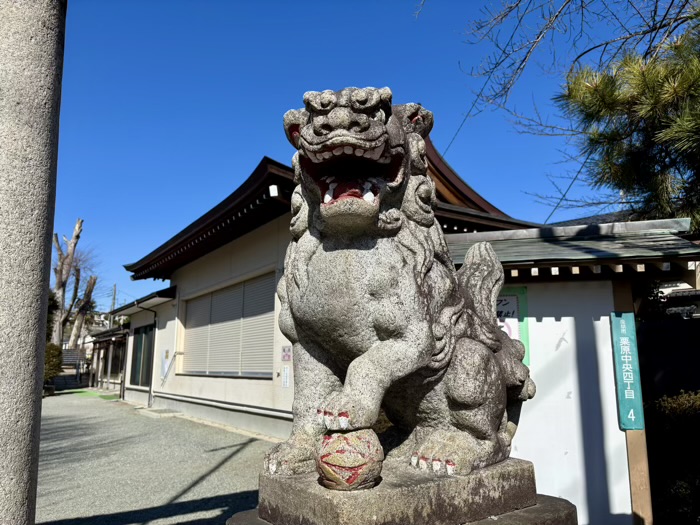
(607, 28)
(68, 308)
(84, 307)
(64, 268)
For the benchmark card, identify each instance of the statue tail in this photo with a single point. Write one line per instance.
(481, 278)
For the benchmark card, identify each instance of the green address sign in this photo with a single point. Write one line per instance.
(627, 379)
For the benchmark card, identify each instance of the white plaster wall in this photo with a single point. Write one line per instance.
(259, 252)
(570, 430)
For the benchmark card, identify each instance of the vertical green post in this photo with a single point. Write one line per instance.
(627, 378)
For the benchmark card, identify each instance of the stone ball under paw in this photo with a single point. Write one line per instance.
(350, 460)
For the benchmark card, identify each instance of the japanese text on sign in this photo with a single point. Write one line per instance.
(511, 312)
(627, 378)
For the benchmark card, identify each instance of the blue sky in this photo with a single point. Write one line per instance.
(168, 105)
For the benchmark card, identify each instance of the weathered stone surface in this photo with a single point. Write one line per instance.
(378, 316)
(350, 461)
(547, 511)
(405, 495)
(31, 62)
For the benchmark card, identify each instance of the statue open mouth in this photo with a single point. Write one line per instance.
(343, 169)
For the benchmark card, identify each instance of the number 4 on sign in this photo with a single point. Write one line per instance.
(631, 415)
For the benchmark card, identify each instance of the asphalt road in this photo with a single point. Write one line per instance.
(103, 463)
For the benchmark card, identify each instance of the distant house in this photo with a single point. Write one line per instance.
(208, 344)
(83, 351)
(107, 357)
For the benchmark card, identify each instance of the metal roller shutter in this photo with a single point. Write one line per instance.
(257, 338)
(197, 335)
(225, 331)
(231, 331)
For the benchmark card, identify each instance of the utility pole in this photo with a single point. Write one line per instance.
(114, 302)
(31, 64)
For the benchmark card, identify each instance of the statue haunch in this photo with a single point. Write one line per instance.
(378, 316)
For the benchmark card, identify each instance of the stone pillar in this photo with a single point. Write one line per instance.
(31, 62)
(109, 364)
(100, 368)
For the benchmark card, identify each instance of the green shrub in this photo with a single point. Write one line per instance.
(678, 407)
(53, 361)
(673, 424)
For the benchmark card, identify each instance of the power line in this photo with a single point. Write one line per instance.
(563, 196)
(486, 82)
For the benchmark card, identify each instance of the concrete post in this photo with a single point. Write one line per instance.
(31, 62)
(100, 368)
(109, 364)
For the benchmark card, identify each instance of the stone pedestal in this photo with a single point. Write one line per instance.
(547, 511)
(410, 497)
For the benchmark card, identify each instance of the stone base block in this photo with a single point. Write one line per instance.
(547, 511)
(405, 496)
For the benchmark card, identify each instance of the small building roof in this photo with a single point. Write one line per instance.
(107, 335)
(602, 249)
(148, 301)
(602, 218)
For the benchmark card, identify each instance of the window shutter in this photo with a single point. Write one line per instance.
(197, 335)
(258, 330)
(136, 355)
(225, 331)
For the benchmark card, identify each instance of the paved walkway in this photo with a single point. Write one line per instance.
(103, 463)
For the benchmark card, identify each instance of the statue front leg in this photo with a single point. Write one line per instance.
(314, 379)
(357, 404)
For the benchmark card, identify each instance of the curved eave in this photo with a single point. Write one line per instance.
(450, 187)
(245, 209)
(461, 219)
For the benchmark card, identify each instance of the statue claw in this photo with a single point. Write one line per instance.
(295, 456)
(336, 417)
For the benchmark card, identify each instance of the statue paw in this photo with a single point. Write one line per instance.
(289, 458)
(449, 452)
(342, 412)
(440, 460)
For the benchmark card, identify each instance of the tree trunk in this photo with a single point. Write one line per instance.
(83, 308)
(62, 271)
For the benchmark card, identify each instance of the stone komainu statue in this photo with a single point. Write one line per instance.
(378, 316)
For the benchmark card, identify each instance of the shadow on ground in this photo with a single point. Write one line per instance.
(229, 505)
(67, 440)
